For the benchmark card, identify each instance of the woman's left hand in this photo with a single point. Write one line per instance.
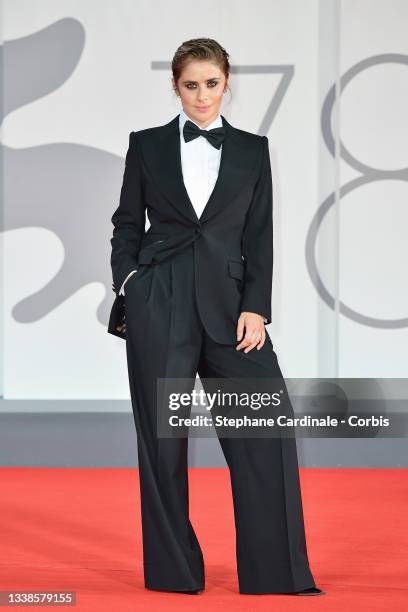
(254, 331)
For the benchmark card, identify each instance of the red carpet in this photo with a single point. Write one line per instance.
(79, 530)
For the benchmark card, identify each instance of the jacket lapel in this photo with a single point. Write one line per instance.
(162, 156)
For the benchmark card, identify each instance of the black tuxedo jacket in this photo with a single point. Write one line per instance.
(233, 238)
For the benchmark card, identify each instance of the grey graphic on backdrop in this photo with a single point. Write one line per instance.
(70, 189)
(368, 175)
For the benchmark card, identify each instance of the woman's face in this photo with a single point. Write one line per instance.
(201, 86)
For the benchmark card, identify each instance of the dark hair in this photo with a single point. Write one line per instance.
(199, 49)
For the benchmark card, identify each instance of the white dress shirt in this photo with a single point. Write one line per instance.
(200, 162)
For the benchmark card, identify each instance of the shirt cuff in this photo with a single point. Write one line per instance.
(121, 292)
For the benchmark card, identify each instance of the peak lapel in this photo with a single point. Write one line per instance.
(162, 156)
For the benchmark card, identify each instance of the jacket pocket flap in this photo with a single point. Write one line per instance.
(236, 269)
(148, 251)
(145, 256)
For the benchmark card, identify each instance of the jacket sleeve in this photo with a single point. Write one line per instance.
(257, 244)
(129, 218)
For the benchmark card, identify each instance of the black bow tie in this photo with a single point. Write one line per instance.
(214, 136)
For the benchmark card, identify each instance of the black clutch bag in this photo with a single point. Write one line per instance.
(117, 321)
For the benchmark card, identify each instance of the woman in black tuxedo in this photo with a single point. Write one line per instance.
(197, 296)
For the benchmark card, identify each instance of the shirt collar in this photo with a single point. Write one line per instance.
(183, 118)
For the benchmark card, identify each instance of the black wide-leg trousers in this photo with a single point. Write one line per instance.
(166, 338)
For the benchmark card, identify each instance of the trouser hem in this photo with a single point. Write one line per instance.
(278, 589)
